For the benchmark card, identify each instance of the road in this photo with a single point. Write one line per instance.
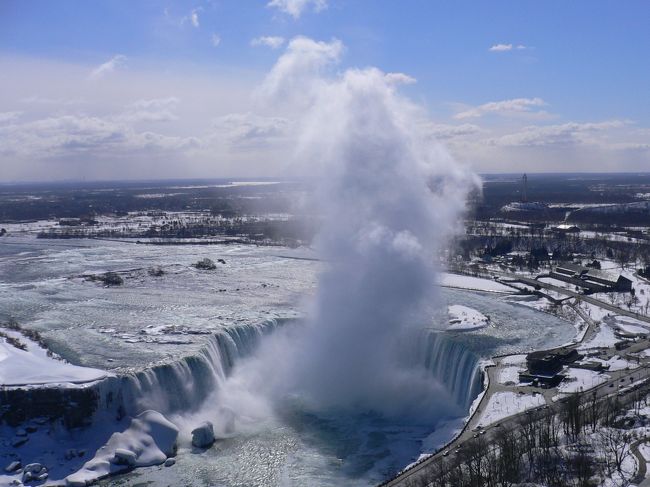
(640, 477)
(584, 297)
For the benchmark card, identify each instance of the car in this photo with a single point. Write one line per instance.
(611, 385)
(445, 453)
(497, 425)
(475, 435)
(482, 432)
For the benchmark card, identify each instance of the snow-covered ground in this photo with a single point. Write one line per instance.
(504, 404)
(511, 366)
(580, 379)
(603, 338)
(510, 375)
(464, 318)
(474, 283)
(615, 363)
(33, 366)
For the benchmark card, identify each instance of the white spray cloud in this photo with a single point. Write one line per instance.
(389, 199)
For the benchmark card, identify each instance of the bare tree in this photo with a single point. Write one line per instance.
(615, 446)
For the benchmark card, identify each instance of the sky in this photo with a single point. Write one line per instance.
(126, 89)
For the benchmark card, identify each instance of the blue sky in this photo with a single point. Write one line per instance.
(508, 85)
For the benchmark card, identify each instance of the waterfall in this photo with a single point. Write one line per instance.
(175, 386)
(184, 384)
(453, 365)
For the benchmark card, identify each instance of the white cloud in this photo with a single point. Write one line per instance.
(192, 17)
(40, 100)
(506, 47)
(504, 107)
(501, 48)
(216, 40)
(70, 136)
(566, 134)
(443, 131)
(9, 116)
(295, 8)
(400, 79)
(248, 130)
(273, 42)
(108, 67)
(151, 110)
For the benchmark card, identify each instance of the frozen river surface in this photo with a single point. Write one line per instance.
(151, 319)
(147, 319)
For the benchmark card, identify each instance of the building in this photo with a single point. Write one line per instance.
(595, 280)
(545, 367)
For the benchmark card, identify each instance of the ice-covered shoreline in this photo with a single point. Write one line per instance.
(26, 364)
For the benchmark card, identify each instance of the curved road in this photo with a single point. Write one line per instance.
(584, 297)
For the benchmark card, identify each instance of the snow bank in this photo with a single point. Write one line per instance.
(504, 404)
(33, 366)
(148, 441)
(463, 318)
(474, 283)
(580, 379)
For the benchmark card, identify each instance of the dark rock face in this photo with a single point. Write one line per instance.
(203, 436)
(112, 279)
(74, 407)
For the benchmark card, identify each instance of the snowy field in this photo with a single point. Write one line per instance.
(509, 375)
(504, 404)
(580, 380)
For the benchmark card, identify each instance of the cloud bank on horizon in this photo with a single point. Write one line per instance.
(171, 92)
